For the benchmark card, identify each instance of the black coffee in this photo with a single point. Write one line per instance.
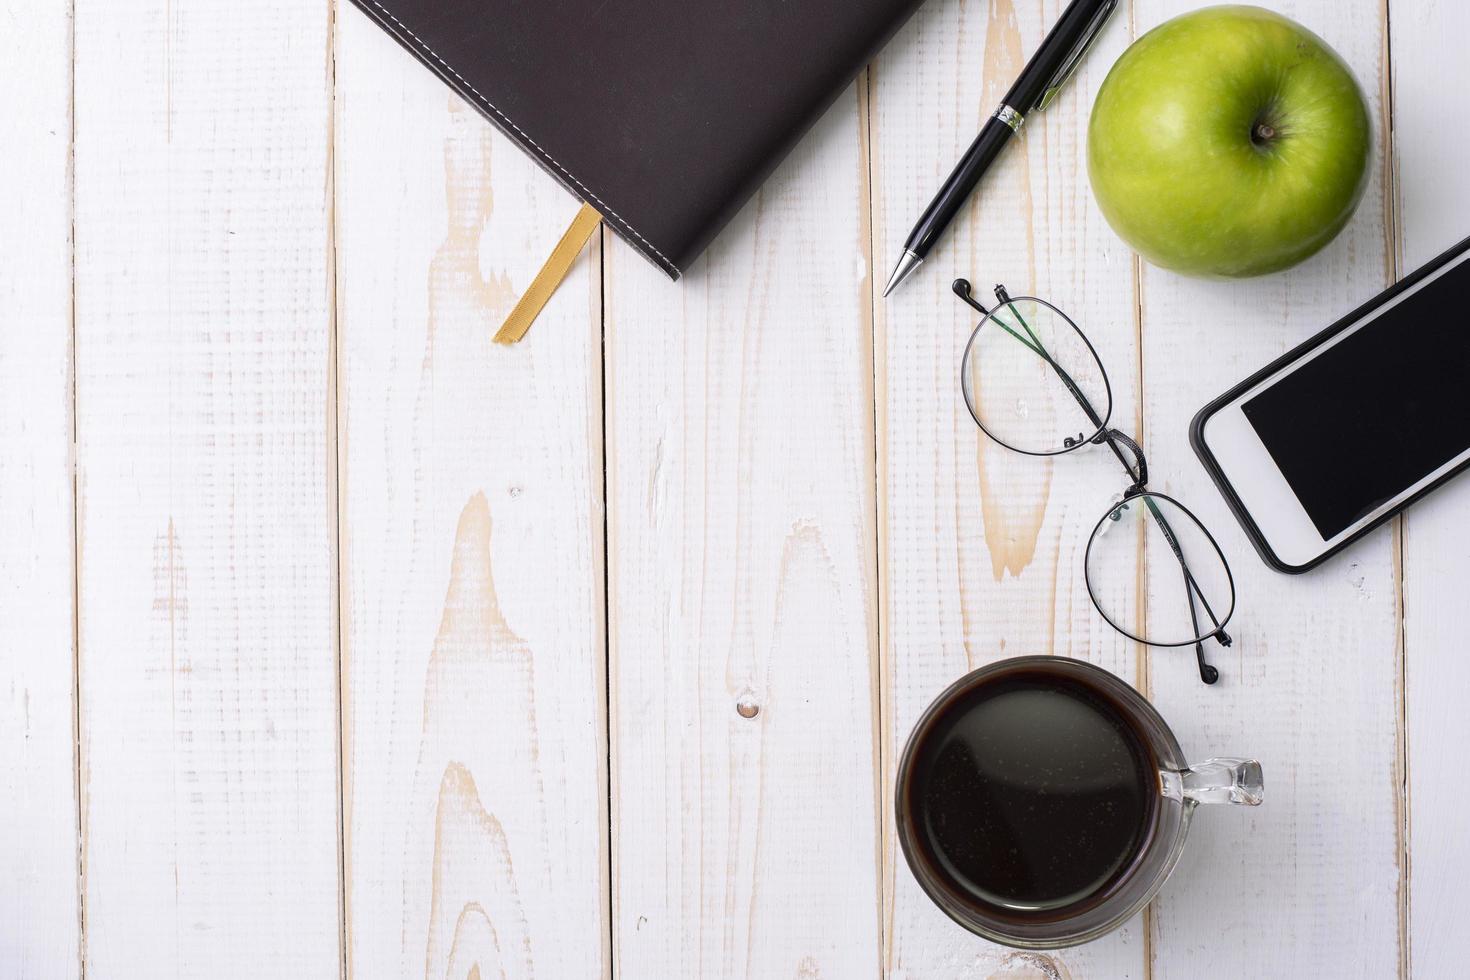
(1032, 793)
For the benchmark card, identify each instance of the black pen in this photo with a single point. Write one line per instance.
(1042, 78)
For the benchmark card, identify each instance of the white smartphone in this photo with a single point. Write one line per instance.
(1343, 432)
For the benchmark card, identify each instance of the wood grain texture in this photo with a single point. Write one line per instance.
(205, 525)
(742, 588)
(1431, 144)
(983, 547)
(1307, 884)
(473, 643)
(781, 603)
(40, 924)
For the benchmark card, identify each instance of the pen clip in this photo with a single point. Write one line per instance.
(1068, 67)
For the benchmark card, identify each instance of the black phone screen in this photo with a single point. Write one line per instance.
(1375, 413)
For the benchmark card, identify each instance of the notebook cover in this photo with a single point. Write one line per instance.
(665, 115)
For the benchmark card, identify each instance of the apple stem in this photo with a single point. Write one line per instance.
(1264, 133)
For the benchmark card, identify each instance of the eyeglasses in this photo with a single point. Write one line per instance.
(1033, 383)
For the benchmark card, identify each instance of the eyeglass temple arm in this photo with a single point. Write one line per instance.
(1194, 588)
(1192, 591)
(1207, 672)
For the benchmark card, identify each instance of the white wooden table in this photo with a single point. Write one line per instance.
(334, 640)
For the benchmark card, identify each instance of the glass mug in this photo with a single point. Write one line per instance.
(1042, 802)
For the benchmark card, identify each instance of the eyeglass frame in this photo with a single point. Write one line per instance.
(1137, 471)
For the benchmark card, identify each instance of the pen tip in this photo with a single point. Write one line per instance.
(907, 263)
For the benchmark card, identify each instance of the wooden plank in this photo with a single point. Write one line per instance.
(1431, 143)
(1306, 885)
(474, 651)
(743, 623)
(39, 912)
(207, 615)
(983, 547)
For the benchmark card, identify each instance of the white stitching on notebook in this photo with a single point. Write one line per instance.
(524, 135)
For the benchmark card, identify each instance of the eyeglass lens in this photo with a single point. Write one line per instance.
(1032, 381)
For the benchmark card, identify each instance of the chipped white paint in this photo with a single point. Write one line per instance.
(983, 547)
(207, 620)
(742, 599)
(472, 661)
(40, 925)
(1308, 884)
(1432, 143)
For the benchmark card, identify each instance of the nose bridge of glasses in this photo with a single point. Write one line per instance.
(1137, 467)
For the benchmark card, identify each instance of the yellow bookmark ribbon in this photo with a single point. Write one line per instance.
(557, 265)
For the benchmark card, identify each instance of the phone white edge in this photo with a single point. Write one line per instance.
(1258, 483)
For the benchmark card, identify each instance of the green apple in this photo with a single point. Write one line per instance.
(1229, 142)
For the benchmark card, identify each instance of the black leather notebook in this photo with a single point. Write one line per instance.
(664, 115)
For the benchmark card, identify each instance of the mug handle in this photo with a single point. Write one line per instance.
(1236, 781)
